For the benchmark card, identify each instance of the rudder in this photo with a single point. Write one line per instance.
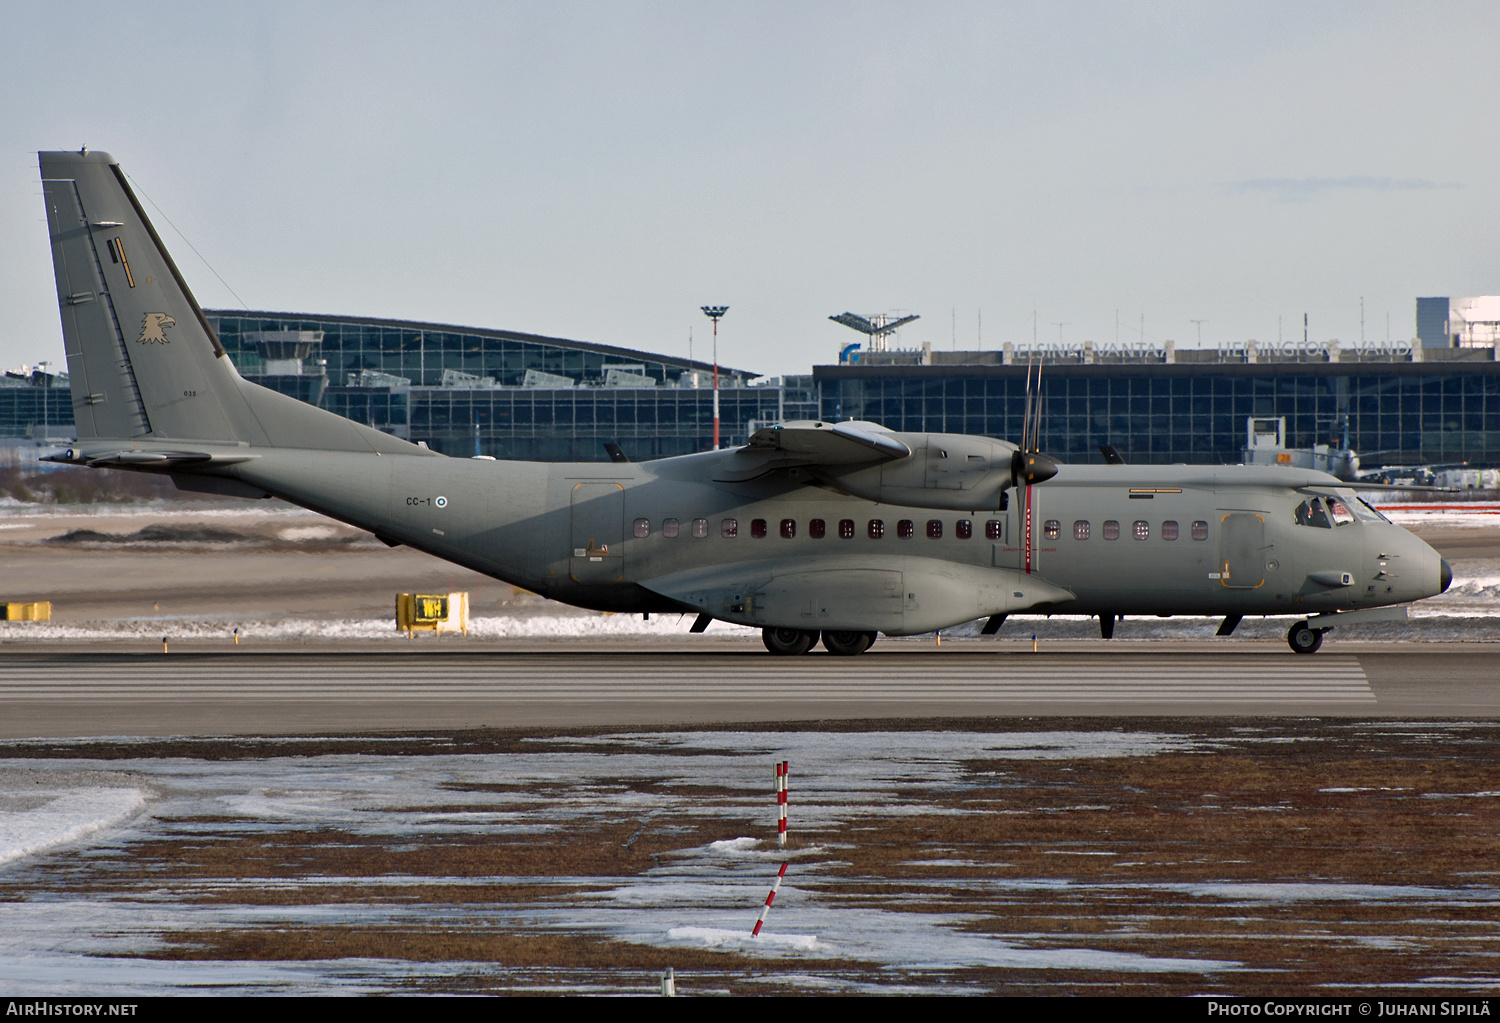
(142, 358)
(143, 361)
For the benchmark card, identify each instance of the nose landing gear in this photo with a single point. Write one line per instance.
(1304, 639)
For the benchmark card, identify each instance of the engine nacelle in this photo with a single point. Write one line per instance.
(944, 470)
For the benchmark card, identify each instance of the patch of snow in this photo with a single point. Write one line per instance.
(63, 816)
(714, 937)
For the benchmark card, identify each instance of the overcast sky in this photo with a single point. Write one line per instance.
(600, 170)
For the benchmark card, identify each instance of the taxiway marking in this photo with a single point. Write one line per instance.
(565, 679)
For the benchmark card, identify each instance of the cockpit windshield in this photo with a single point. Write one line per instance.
(1367, 512)
(1324, 512)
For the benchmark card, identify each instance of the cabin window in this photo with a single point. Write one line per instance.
(816, 528)
(994, 529)
(1052, 529)
(846, 529)
(729, 528)
(758, 528)
(1081, 529)
(876, 529)
(963, 529)
(669, 528)
(905, 530)
(700, 528)
(788, 528)
(1169, 530)
(1200, 530)
(1141, 529)
(642, 527)
(1111, 529)
(934, 529)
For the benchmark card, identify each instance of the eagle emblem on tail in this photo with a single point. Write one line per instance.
(153, 328)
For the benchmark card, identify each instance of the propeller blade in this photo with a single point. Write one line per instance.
(1026, 409)
(1036, 428)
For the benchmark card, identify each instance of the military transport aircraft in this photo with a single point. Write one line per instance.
(811, 530)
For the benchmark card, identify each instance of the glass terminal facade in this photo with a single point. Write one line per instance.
(465, 391)
(36, 404)
(1406, 412)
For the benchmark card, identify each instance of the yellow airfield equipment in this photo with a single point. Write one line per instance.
(432, 612)
(36, 611)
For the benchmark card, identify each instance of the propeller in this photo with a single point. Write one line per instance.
(1029, 466)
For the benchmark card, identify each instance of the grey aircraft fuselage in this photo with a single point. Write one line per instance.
(810, 529)
(1147, 540)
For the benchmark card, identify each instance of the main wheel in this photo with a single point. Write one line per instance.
(847, 644)
(1304, 639)
(788, 642)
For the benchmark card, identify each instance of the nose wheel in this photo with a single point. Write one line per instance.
(1304, 639)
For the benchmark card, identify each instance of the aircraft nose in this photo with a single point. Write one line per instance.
(1445, 575)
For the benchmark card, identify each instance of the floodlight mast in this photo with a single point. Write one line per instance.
(713, 312)
(877, 329)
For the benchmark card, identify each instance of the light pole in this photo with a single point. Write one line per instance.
(713, 312)
(46, 386)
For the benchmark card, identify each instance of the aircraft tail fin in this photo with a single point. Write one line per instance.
(143, 360)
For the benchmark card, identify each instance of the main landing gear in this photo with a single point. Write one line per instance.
(1305, 639)
(794, 642)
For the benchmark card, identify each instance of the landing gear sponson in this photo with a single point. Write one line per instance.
(794, 642)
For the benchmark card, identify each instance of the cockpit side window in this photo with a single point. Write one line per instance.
(1312, 513)
(1340, 512)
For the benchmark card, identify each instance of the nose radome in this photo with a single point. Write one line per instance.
(1445, 575)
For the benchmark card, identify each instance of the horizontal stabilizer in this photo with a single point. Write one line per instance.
(147, 458)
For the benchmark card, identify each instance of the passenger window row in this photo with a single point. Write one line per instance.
(817, 529)
(1140, 529)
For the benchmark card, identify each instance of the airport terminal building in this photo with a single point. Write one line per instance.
(467, 391)
(1401, 405)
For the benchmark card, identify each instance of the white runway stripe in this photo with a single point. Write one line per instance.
(570, 679)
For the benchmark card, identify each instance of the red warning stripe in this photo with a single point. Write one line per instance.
(1026, 529)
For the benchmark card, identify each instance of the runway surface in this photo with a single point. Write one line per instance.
(91, 694)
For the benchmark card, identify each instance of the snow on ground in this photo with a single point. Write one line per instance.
(702, 897)
(156, 510)
(1475, 515)
(33, 819)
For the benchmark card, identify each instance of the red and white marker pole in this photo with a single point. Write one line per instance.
(781, 773)
(766, 909)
